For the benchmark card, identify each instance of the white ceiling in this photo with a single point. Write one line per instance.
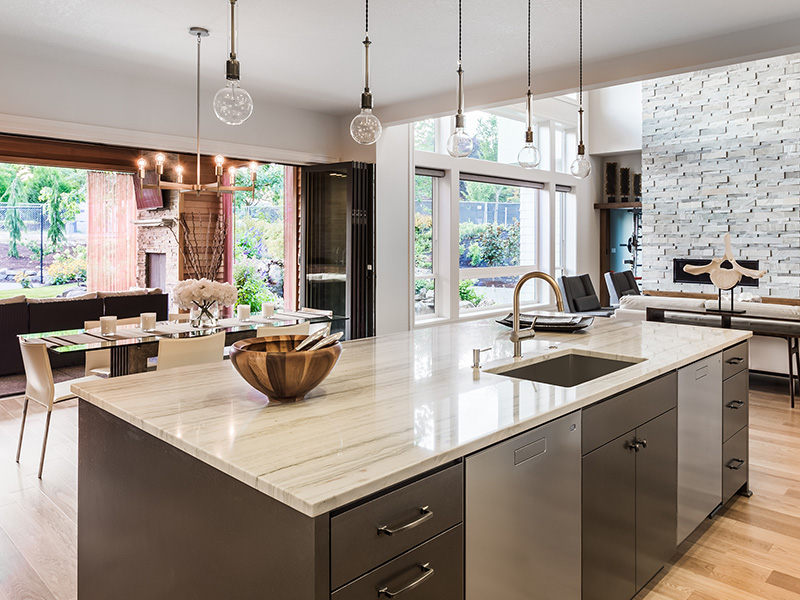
(307, 53)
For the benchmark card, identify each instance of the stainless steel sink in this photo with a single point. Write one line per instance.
(568, 370)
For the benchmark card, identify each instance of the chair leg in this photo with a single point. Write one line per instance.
(22, 426)
(44, 441)
(790, 341)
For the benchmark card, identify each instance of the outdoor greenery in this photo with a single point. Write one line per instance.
(45, 291)
(467, 293)
(424, 135)
(490, 244)
(258, 243)
(60, 191)
(68, 266)
(253, 290)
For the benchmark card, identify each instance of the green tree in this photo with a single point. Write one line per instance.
(15, 194)
(424, 135)
(486, 136)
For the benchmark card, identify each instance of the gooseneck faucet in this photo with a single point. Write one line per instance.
(516, 334)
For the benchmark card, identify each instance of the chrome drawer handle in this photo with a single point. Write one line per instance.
(737, 467)
(736, 360)
(736, 404)
(427, 573)
(425, 514)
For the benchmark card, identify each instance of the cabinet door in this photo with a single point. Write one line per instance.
(656, 495)
(609, 526)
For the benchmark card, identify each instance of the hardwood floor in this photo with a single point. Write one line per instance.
(749, 551)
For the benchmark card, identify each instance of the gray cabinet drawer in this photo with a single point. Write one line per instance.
(432, 571)
(734, 464)
(376, 531)
(611, 418)
(734, 404)
(735, 359)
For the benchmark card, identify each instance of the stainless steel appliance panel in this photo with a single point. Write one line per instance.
(699, 442)
(523, 516)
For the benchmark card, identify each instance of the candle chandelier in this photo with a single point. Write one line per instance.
(160, 158)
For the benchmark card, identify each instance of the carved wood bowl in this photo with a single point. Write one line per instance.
(271, 365)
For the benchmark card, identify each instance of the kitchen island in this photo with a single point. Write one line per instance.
(191, 485)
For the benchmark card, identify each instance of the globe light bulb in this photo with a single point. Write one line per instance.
(580, 167)
(529, 157)
(365, 127)
(179, 173)
(459, 144)
(219, 159)
(232, 104)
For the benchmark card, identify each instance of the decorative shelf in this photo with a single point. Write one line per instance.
(613, 205)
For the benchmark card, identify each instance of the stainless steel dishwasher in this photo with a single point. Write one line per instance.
(523, 516)
(699, 442)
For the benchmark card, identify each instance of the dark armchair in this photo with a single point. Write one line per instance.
(580, 297)
(621, 284)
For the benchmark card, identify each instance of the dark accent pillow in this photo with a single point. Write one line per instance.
(586, 303)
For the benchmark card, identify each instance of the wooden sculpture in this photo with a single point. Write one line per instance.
(722, 277)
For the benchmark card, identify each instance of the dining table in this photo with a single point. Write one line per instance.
(131, 346)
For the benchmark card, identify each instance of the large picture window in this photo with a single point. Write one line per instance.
(497, 239)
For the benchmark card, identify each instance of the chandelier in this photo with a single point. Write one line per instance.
(219, 160)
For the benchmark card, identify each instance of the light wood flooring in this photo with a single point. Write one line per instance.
(750, 551)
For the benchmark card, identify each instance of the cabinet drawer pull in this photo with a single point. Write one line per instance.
(733, 464)
(634, 445)
(425, 514)
(736, 360)
(736, 404)
(427, 573)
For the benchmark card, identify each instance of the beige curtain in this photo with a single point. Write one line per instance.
(111, 261)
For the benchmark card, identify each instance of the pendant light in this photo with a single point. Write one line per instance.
(365, 128)
(581, 167)
(232, 104)
(529, 157)
(460, 143)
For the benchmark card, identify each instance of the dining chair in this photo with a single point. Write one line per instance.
(181, 352)
(179, 317)
(270, 331)
(580, 297)
(40, 387)
(98, 362)
(620, 284)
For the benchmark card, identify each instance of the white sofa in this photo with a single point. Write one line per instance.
(768, 354)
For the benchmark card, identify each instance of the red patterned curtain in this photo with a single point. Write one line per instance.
(111, 262)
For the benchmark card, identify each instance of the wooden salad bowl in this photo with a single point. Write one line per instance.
(271, 365)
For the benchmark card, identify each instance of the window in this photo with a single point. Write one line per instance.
(258, 254)
(425, 195)
(425, 135)
(560, 232)
(497, 239)
(497, 138)
(566, 148)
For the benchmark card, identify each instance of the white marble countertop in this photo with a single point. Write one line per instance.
(395, 406)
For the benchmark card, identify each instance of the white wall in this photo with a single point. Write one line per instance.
(615, 121)
(79, 102)
(394, 229)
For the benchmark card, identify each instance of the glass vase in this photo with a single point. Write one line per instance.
(205, 314)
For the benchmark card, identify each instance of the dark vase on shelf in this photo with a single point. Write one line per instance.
(611, 182)
(624, 184)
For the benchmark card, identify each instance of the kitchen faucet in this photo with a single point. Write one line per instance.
(516, 334)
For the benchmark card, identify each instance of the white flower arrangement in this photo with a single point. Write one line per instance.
(203, 292)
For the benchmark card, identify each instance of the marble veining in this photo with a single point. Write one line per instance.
(394, 406)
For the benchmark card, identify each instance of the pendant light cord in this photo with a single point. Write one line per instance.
(459, 32)
(199, 37)
(529, 45)
(580, 55)
(366, 18)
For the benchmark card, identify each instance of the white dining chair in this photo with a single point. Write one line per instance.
(179, 317)
(40, 387)
(98, 362)
(270, 331)
(181, 352)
